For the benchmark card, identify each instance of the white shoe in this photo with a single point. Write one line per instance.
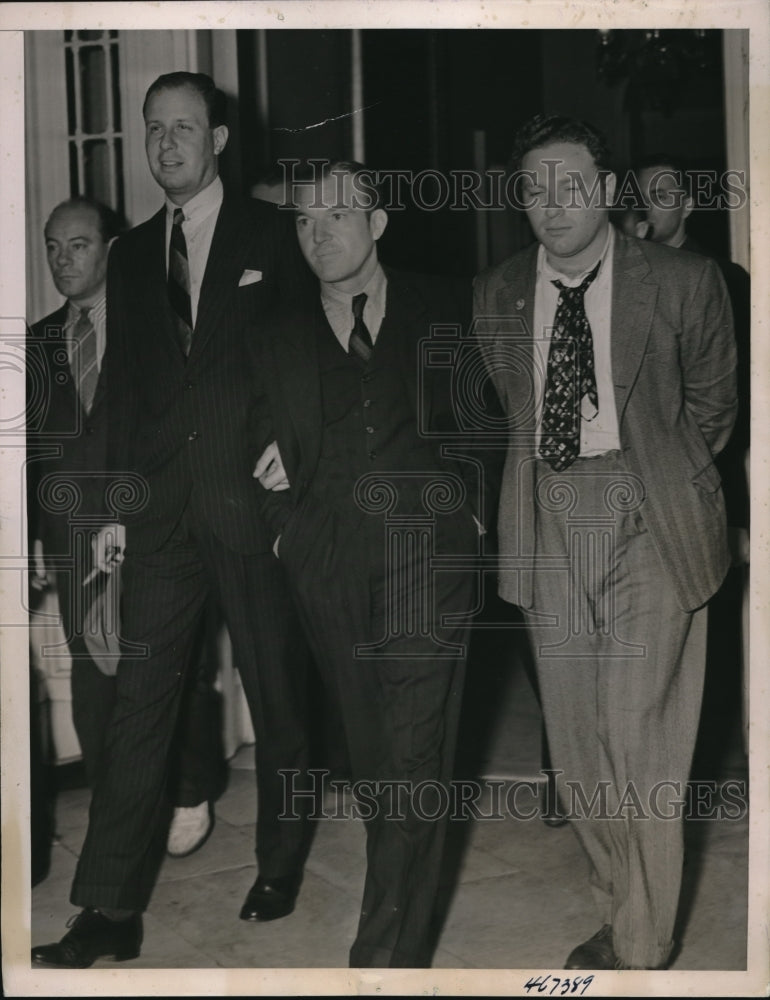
(190, 829)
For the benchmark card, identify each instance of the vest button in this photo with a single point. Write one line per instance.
(370, 430)
(372, 455)
(367, 402)
(192, 435)
(189, 385)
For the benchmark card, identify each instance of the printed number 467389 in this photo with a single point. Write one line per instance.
(559, 986)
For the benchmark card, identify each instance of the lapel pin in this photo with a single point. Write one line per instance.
(520, 303)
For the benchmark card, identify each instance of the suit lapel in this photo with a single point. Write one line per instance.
(634, 296)
(230, 245)
(514, 330)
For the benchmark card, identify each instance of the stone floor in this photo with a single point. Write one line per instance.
(515, 892)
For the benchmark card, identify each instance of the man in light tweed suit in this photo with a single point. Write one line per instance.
(615, 362)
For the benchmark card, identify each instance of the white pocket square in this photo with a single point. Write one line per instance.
(249, 277)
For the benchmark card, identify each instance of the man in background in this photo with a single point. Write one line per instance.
(69, 409)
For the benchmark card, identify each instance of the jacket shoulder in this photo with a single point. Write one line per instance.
(498, 274)
(55, 319)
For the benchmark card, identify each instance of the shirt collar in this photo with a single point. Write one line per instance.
(550, 273)
(374, 288)
(95, 310)
(202, 205)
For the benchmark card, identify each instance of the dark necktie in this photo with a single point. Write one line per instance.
(179, 283)
(85, 369)
(360, 339)
(570, 377)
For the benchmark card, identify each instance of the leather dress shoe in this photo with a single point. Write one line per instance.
(596, 953)
(270, 898)
(92, 936)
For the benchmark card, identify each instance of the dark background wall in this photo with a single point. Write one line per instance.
(451, 100)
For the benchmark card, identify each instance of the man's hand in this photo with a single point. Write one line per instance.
(39, 578)
(108, 547)
(269, 469)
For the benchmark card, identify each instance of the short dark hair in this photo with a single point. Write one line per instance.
(110, 223)
(202, 84)
(668, 162)
(543, 130)
(364, 179)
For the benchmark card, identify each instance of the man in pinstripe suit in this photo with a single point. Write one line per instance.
(615, 362)
(186, 293)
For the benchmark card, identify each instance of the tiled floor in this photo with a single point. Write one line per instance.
(515, 894)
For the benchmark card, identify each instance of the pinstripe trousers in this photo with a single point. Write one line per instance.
(621, 671)
(163, 599)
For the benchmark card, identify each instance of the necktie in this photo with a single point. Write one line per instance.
(360, 339)
(570, 377)
(85, 369)
(179, 283)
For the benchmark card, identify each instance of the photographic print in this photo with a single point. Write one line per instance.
(383, 603)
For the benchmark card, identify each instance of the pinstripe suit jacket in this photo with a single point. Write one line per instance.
(184, 425)
(673, 369)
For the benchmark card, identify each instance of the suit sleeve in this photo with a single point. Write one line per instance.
(276, 505)
(708, 358)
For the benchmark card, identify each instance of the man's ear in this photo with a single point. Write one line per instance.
(610, 183)
(378, 220)
(220, 138)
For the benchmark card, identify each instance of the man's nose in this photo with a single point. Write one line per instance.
(167, 140)
(553, 209)
(62, 257)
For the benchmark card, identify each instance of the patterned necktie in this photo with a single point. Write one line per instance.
(570, 377)
(179, 283)
(360, 338)
(85, 368)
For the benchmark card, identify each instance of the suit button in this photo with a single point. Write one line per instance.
(367, 402)
(192, 435)
(372, 455)
(370, 430)
(366, 378)
(89, 430)
(189, 385)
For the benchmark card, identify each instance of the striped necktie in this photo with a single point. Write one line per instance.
(179, 283)
(84, 365)
(360, 339)
(570, 376)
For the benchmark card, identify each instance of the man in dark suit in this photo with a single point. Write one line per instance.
(68, 444)
(186, 293)
(373, 497)
(615, 361)
(69, 404)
